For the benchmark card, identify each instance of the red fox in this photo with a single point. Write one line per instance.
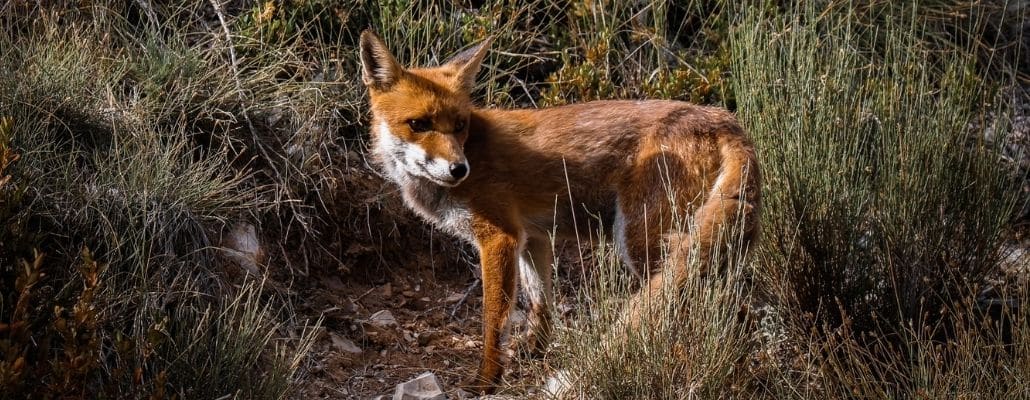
(506, 180)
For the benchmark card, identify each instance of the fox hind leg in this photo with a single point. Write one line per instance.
(639, 233)
(535, 269)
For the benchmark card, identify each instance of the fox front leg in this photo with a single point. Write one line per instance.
(498, 253)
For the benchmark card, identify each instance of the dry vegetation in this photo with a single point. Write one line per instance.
(134, 137)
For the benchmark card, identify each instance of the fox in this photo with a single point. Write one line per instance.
(507, 181)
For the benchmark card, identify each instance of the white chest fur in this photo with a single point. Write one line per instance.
(434, 204)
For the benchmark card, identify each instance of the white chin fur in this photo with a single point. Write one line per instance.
(443, 183)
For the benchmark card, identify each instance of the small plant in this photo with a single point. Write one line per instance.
(631, 50)
(48, 349)
(79, 331)
(7, 155)
(16, 328)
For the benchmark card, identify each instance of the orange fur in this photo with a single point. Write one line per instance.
(627, 168)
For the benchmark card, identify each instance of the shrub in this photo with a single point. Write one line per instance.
(652, 49)
(884, 211)
(878, 199)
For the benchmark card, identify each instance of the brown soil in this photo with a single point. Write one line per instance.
(435, 302)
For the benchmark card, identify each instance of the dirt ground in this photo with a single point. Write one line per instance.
(436, 329)
(436, 304)
(433, 293)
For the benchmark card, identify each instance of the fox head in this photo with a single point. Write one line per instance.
(420, 116)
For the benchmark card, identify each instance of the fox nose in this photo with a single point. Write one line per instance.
(459, 170)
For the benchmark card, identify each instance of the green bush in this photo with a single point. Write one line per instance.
(881, 202)
(885, 210)
(653, 49)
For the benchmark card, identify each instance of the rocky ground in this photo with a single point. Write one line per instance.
(388, 326)
(382, 331)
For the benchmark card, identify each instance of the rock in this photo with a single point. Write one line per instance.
(462, 394)
(243, 246)
(423, 387)
(1017, 260)
(343, 344)
(558, 385)
(454, 298)
(383, 319)
(381, 328)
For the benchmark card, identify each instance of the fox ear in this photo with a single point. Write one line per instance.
(379, 69)
(467, 64)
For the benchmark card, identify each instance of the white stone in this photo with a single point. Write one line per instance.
(243, 246)
(423, 387)
(343, 344)
(383, 318)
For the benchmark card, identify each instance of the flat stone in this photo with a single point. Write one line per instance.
(243, 246)
(454, 298)
(423, 387)
(383, 318)
(343, 344)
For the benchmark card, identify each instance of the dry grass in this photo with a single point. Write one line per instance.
(141, 132)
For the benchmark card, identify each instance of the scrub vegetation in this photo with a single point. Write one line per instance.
(137, 138)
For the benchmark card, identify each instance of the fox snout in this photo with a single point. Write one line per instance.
(446, 173)
(444, 158)
(459, 170)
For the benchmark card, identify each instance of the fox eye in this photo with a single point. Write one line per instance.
(420, 125)
(459, 126)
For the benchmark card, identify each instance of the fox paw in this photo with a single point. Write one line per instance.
(529, 344)
(477, 386)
